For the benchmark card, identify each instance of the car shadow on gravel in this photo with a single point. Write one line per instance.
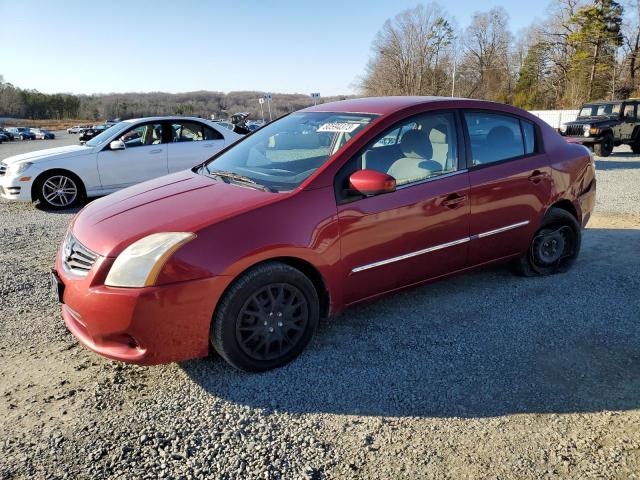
(477, 345)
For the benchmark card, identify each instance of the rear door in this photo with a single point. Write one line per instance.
(629, 121)
(143, 158)
(421, 230)
(510, 181)
(192, 143)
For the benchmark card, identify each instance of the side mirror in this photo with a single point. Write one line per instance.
(117, 145)
(372, 182)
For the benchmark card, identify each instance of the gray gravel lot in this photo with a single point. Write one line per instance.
(484, 375)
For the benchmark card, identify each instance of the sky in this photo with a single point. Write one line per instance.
(282, 46)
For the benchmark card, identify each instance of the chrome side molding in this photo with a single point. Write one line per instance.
(439, 247)
(500, 230)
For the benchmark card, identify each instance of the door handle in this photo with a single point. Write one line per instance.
(536, 176)
(157, 150)
(454, 200)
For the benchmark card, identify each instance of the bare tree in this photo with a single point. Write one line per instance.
(411, 54)
(487, 47)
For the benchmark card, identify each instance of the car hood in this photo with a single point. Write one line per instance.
(181, 202)
(49, 154)
(593, 121)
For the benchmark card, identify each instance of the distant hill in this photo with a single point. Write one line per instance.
(31, 104)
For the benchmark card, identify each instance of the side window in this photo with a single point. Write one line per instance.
(142, 135)
(187, 132)
(529, 132)
(630, 112)
(420, 148)
(495, 137)
(211, 134)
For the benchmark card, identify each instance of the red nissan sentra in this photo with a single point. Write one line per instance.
(324, 208)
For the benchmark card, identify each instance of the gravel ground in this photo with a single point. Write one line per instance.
(484, 375)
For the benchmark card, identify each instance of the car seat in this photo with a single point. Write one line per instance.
(417, 162)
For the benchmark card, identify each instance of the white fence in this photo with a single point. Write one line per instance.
(555, 118)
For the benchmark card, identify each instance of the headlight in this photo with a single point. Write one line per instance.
(17, 169)
(140, 263)
(563, 128)
(586, 129)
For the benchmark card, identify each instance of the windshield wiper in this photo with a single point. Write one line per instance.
(236, 177)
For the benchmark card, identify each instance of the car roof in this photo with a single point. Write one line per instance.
(171, 117)
(388, 105)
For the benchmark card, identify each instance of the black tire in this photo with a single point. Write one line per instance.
(44, 186)
(250, 316)
(563, 236)
(605, 147)
(635, 146)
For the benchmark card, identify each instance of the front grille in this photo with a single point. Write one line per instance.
(575, 131)
(77, 258)
(3, 169)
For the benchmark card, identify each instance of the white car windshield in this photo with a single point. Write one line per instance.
(104, 137)
(281, 155)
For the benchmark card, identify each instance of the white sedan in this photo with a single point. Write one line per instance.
(130, 152)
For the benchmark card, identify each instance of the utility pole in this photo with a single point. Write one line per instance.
(268, 97)
(261, 102)
(453, 78)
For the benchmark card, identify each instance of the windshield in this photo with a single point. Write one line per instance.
(601, 110)
(281, 155)
(107, 134)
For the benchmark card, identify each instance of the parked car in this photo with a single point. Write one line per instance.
(245, 252)
(7, 134)
(42, 134)
(225, 124)
(605, 125)
(130, 152)
(22, 133)
(94, 131)
(3, 137)
(76, 129)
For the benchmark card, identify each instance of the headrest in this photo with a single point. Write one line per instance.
(415, 144)
(438, 134)
(500, 134)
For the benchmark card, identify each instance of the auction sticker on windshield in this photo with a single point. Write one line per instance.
(337, 127)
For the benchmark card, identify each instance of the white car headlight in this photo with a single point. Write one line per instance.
(16, 169)
(563, 128)
(585, 129)
(140, 263)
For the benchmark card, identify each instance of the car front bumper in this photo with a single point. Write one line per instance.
(146, 326)
(17, 187)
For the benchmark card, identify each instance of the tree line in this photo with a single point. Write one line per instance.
(30, 104)
(581, 51)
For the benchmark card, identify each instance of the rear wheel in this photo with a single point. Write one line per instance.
(605, 147)
(635, 146)
(58, 190)
(266, 318)
(554, 247)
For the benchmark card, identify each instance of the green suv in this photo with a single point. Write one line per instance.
(604, 125)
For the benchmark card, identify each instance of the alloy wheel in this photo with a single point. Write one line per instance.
(59, 191)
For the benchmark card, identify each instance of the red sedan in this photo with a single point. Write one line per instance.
(324, 208)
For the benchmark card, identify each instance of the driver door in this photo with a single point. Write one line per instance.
(144, 157)
(421, 230)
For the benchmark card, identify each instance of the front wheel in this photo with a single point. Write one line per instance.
(605, 147)
(266, 318)
(554, 247)
(58, 190)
